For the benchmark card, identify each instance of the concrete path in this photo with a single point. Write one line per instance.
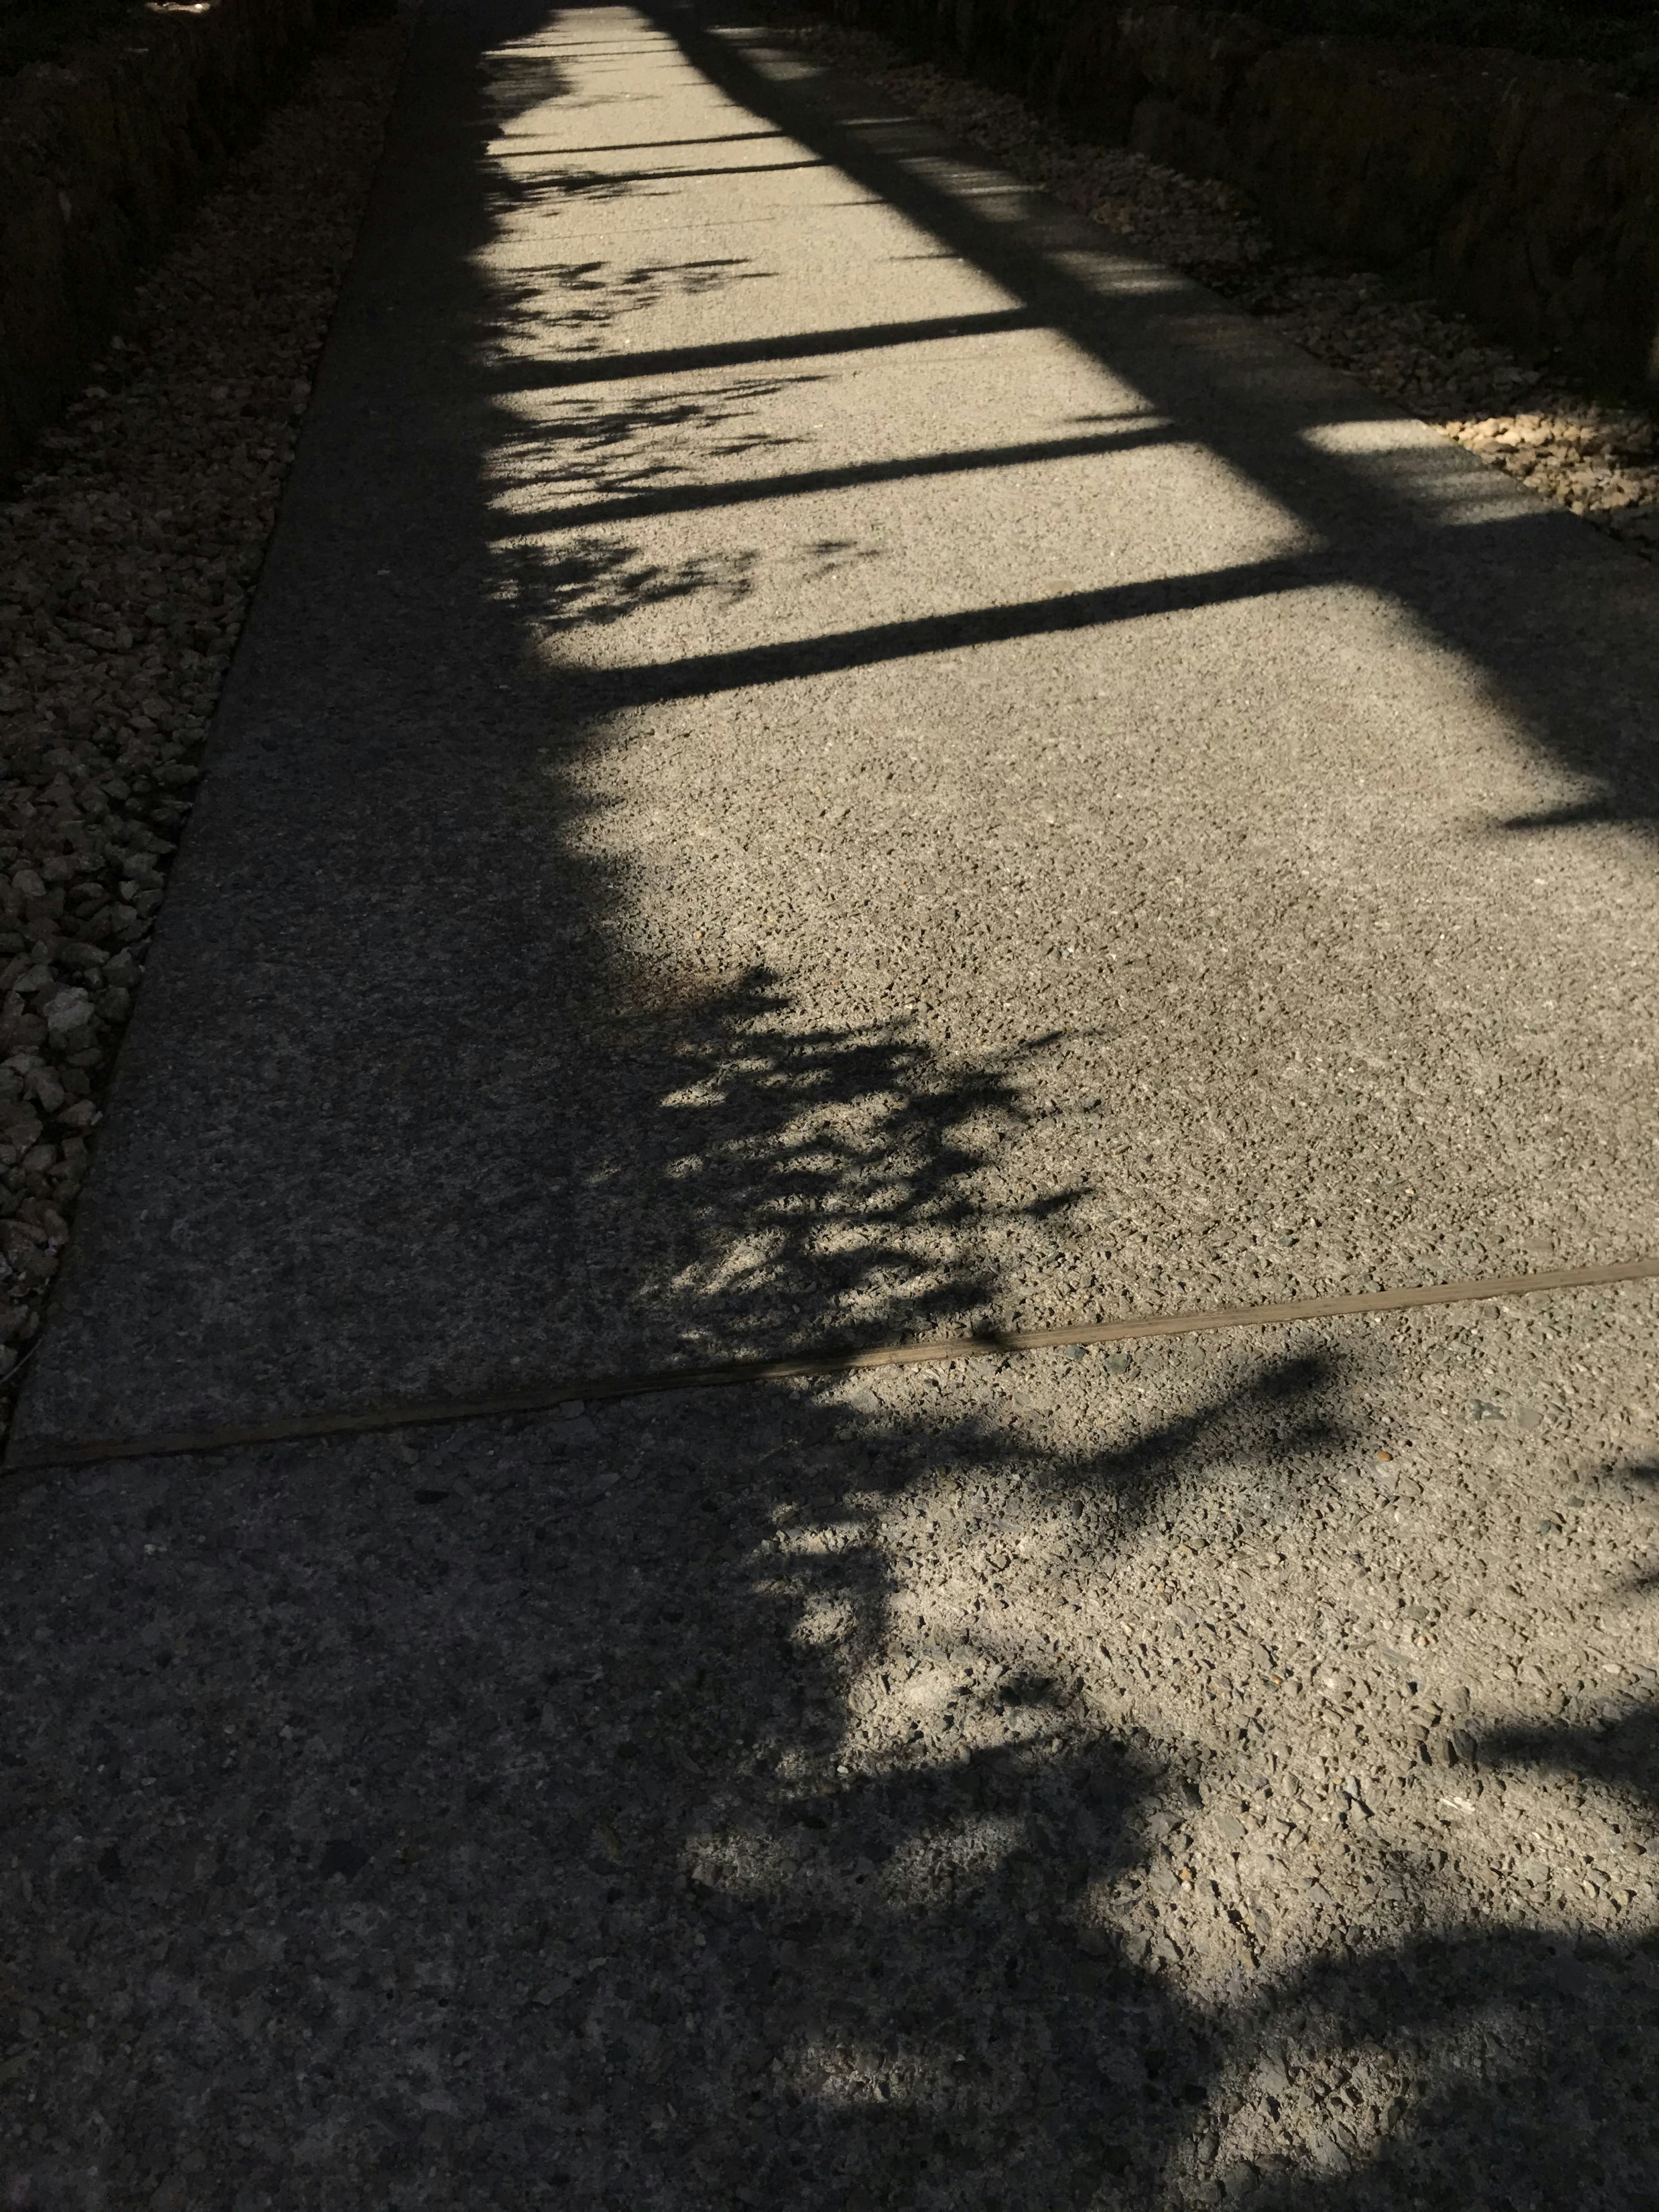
(821, 756)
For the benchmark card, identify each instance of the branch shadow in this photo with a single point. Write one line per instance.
(586, 1810)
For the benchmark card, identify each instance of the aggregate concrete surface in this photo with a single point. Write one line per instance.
(1599, 457)
(820, 754)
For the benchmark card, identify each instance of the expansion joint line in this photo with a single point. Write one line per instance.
(536, 1398)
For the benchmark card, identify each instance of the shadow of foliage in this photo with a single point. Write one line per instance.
(590, 1811)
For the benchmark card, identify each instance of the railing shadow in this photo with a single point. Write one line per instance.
(593, 1812)
(1523, 599)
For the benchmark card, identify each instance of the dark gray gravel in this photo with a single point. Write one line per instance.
(127, 554)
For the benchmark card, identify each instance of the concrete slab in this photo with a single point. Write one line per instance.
(820, 754)
(776, 789)
(782, 1797)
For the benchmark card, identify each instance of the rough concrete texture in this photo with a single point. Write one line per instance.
(1600, 459)
(1033, 1786)
(819, 752)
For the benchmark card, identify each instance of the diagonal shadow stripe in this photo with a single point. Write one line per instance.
(680, 361)
(591, 178)
(703, 673)
(634, 145)
(693, 499)
(1065, 275)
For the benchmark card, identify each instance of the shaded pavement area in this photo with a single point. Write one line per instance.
(822, 756)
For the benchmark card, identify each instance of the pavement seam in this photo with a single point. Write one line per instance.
(546, 1397)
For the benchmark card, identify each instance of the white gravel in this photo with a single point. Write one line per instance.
(126, 562)
(1598, 459)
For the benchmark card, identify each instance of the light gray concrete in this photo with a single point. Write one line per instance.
(819, 754)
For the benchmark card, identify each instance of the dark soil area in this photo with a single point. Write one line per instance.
(46, 30)
(51, 30)
(1621, 36)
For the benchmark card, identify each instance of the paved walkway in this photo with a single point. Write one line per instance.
(822, 756)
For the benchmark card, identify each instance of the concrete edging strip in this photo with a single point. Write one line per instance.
(543, 1397)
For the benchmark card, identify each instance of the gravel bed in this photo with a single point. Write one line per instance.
(1619, 39)
(126, 562)
(1598, 459)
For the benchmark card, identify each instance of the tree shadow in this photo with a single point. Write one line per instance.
(591, 1809)
(574, 306)
(910, 1997)
(1538, 2092)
